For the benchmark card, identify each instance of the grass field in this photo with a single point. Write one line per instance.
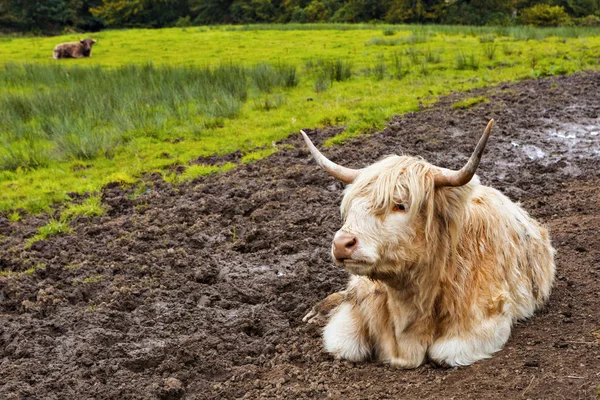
(151, 99)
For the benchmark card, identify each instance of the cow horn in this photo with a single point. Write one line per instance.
(346, 175)
(446, 177)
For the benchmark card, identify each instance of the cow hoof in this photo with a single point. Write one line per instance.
(403, 363)
(322, 310)
(314, 316)
(309, 318)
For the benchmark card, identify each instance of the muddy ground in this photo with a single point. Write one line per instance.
(197, 291)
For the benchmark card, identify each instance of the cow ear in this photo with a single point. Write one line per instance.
(80, 40)
(94, 41)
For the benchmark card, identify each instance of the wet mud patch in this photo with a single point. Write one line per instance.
(197, 291)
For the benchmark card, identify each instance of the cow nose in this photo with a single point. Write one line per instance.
(343, 245)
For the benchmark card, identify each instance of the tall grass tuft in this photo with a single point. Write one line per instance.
(424, 68)
(288, 75)
(23, 154)
(432, 57)
(507, 49)
(269, 103)
(322, 81)
(419, 36)
(399, 68)
(340, 70)
(78, 139)
(268, 77)
(379, 70)
(223, 106)
(265, 76)
(464, 62)
(488, 38)
(328, 71)
(489, 51)
(414, 55)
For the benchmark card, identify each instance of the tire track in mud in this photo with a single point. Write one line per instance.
(198, 290)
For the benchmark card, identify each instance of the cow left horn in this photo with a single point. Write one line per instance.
(346, 175)
(447, 177)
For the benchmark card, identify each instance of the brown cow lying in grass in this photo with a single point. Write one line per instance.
(80, 49)
(441, 265)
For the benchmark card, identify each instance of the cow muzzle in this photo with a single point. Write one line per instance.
(343, 246)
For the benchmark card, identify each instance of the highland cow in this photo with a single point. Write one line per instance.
(80, 49)
(441, 265)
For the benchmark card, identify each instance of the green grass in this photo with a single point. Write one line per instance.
(149, 100)
(53, 227)
(90, 279)
(468, 103)
(8, 274)
(258, 154)
(90, 207)
(14, 216)
(38, 266)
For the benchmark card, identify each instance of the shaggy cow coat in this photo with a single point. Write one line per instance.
(80, 49)
(438, 272)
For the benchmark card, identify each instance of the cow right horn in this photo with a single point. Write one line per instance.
(463, 176)
(346, 175)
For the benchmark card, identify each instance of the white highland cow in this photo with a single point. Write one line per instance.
(441, 265)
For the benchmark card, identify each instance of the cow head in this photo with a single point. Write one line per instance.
(393, 210)
(87, 43)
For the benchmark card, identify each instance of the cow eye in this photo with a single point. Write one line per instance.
(400, 207)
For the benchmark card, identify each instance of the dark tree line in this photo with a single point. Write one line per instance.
(54, 16)
(49, 16)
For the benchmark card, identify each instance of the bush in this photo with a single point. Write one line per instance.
(183, 22)
(544, 15)
(590, 20)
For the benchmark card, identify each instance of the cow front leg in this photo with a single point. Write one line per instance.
(322, 309)
(346, 335)
(487, 337)
(402, 346)
(411, 351)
